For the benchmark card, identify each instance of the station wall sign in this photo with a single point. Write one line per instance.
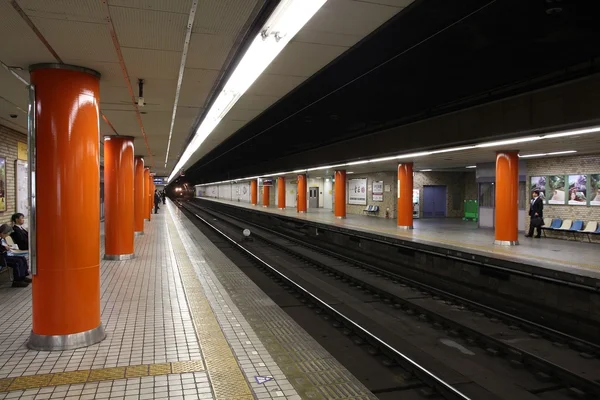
(160, 180)
(377, 190)
(267, 182)
(357, 191)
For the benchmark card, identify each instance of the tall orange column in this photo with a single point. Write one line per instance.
(147, 209)
(266, 201)
(138, 196)
(151, 194)
(405, 192)
(119, 201)
(254, 192)
(507, 198)
(65, 182)
(281, 193)
(340, 194)
(301, 205)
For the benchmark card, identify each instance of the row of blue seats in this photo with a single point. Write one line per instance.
(371, 209)
(567, 225)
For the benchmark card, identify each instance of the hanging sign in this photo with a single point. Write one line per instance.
(378, 191)
(22, 151)
(267, 182)
(357, 191)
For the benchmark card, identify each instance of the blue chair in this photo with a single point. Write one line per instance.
(556, 224)
(576, 227)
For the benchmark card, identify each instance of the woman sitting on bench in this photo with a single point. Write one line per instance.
(17, 263)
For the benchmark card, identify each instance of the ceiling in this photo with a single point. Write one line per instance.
(431, 58)
(150, 41)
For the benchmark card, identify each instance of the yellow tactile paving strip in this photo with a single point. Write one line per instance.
(97, 375)
(226, 377)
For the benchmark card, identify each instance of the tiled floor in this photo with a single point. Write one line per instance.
(166, 305)
(578, 258)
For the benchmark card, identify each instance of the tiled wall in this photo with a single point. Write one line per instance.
(8, 150)
(459, 184)
(589, 164)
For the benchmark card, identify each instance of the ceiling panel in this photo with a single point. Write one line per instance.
(173, 6)
(13, 90)
(208, 51)
(222, 17)
(251, 101)
(125, 122)
(147, 64)
(148, 29)
(303, 59)
(19, 46)
(88, 42)
(72, 10)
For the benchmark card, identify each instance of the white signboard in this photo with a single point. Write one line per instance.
(22, 176)
(378, 191)
(357, 191)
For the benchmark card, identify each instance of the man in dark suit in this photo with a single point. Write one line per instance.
(536, 212)
(19, 234)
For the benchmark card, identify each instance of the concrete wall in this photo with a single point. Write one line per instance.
(460, 186)
(389, 198)
(567, 165)
(8, 150)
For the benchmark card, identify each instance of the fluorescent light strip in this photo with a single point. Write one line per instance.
(556, 153)
(471, 166)
(286, 21)
(458, 149)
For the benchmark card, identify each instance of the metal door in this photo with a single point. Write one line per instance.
(434, 201)
(313, 197)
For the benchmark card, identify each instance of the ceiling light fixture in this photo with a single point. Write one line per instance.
(471, 166)
(555, 153)
(425, 170)
(284, 23)
(584, 131)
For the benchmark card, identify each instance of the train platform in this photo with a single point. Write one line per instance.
(182, 322)
(464, 238)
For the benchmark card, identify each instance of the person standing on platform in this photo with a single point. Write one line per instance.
(19, 234)
(536, 213)
(156, 201)
(164, 196)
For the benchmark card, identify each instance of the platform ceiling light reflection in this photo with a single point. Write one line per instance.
(411, 156)
(286, 21)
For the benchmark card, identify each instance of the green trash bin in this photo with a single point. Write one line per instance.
(471, 210)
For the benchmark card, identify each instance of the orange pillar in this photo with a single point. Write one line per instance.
(65, 257)
(340, 194)
(118, 189)
(265, 197)
(301, 206)
(254, 192)
(147, 209)
(138, 194)
(281, 193)
(405, 192)
(152, 189)
(507, 198)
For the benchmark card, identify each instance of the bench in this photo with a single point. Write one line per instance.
(371, 210)
(575, 227)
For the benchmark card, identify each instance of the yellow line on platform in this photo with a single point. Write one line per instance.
(226, 377)
(97, 375)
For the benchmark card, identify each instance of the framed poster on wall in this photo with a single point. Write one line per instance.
(377, 190)
(556, 189)
(538, 183)
(577, 190)
(2, 184)
(595, 189)
(22, 187)
(357, 191)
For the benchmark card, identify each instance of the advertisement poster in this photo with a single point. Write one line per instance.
(2, 184)
(357, 191)
(538, 183)
(556, 189)
(378, 191)
(595, 189)
(577, 190)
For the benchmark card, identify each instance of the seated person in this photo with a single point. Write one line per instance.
(19, 235)
(17, 263)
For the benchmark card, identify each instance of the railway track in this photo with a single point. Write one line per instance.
(399, 317)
